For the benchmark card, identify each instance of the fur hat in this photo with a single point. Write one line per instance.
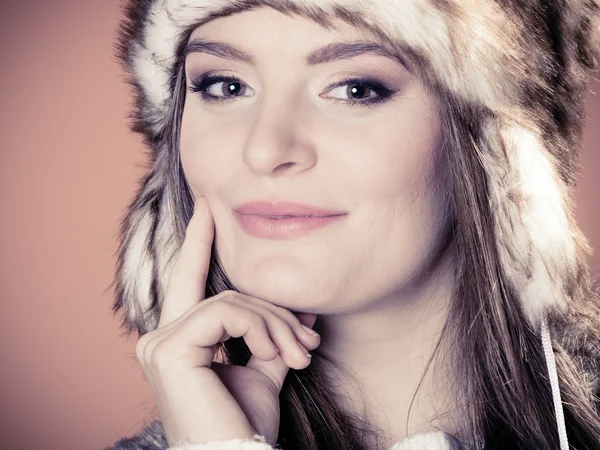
(526, 63)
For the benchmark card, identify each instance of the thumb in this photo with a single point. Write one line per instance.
(276, 369)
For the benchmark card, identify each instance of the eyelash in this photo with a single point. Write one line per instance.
(202, 83)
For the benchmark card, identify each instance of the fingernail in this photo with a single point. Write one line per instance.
(310, 331)
(304, 350)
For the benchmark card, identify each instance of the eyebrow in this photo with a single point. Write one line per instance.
(331, 52)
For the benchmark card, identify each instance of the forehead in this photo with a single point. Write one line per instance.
(242, 35)
(265, 20)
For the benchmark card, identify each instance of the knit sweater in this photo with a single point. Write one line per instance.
(153, 438)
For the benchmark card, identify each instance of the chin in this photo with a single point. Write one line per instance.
(292, 292)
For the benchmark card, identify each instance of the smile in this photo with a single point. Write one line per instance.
(283, 227)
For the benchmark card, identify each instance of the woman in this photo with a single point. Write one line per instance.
(429, 151)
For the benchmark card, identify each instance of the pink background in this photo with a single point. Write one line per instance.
(68, 168)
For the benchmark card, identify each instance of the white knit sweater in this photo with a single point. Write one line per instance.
(422, 441)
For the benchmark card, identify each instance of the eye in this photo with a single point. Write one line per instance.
(216, 88)
(361, 91)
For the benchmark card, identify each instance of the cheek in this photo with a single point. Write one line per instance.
(394, 158)
(397, 183)
(408, 182)
(201, 156)
(191, 153)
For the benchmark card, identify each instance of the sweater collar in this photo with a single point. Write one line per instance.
(434, 440)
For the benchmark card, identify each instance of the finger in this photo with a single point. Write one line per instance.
(277, 369)
(194, 341)
(284, 327)
(291, 349)
(279, 333)
(293, 320)
(187, 282)
(147, 344)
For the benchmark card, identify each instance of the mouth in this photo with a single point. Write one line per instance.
(283, 226)
(284, 217)
(284, 210)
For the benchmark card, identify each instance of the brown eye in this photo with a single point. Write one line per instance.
(361, 91)
(231, 88)
(358, 91)
(214, 88)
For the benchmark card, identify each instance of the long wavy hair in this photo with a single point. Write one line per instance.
(501, 382)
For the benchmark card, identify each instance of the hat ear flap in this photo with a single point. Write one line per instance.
(539, 244)
(147, 253)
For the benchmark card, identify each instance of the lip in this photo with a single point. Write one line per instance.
(257, 219)
(263, 208)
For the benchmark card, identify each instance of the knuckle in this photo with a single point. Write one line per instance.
(231, 303)
(255, 319)
(224, 295)
(218, 307)
(273, 318)
(230, 292)
(227, 293)
(289, 316)
(159, 354)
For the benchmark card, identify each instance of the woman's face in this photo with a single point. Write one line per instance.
(285, 130)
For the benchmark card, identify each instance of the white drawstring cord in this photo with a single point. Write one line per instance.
(553, 375)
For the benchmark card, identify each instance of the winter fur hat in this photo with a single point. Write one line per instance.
(524, 63)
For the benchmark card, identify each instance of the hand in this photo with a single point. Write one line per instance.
(200, 400)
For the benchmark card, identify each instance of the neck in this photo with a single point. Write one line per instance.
(386, 349)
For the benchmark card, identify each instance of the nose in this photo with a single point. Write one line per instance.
(278, 141)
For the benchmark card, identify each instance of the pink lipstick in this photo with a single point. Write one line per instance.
(283, 220)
